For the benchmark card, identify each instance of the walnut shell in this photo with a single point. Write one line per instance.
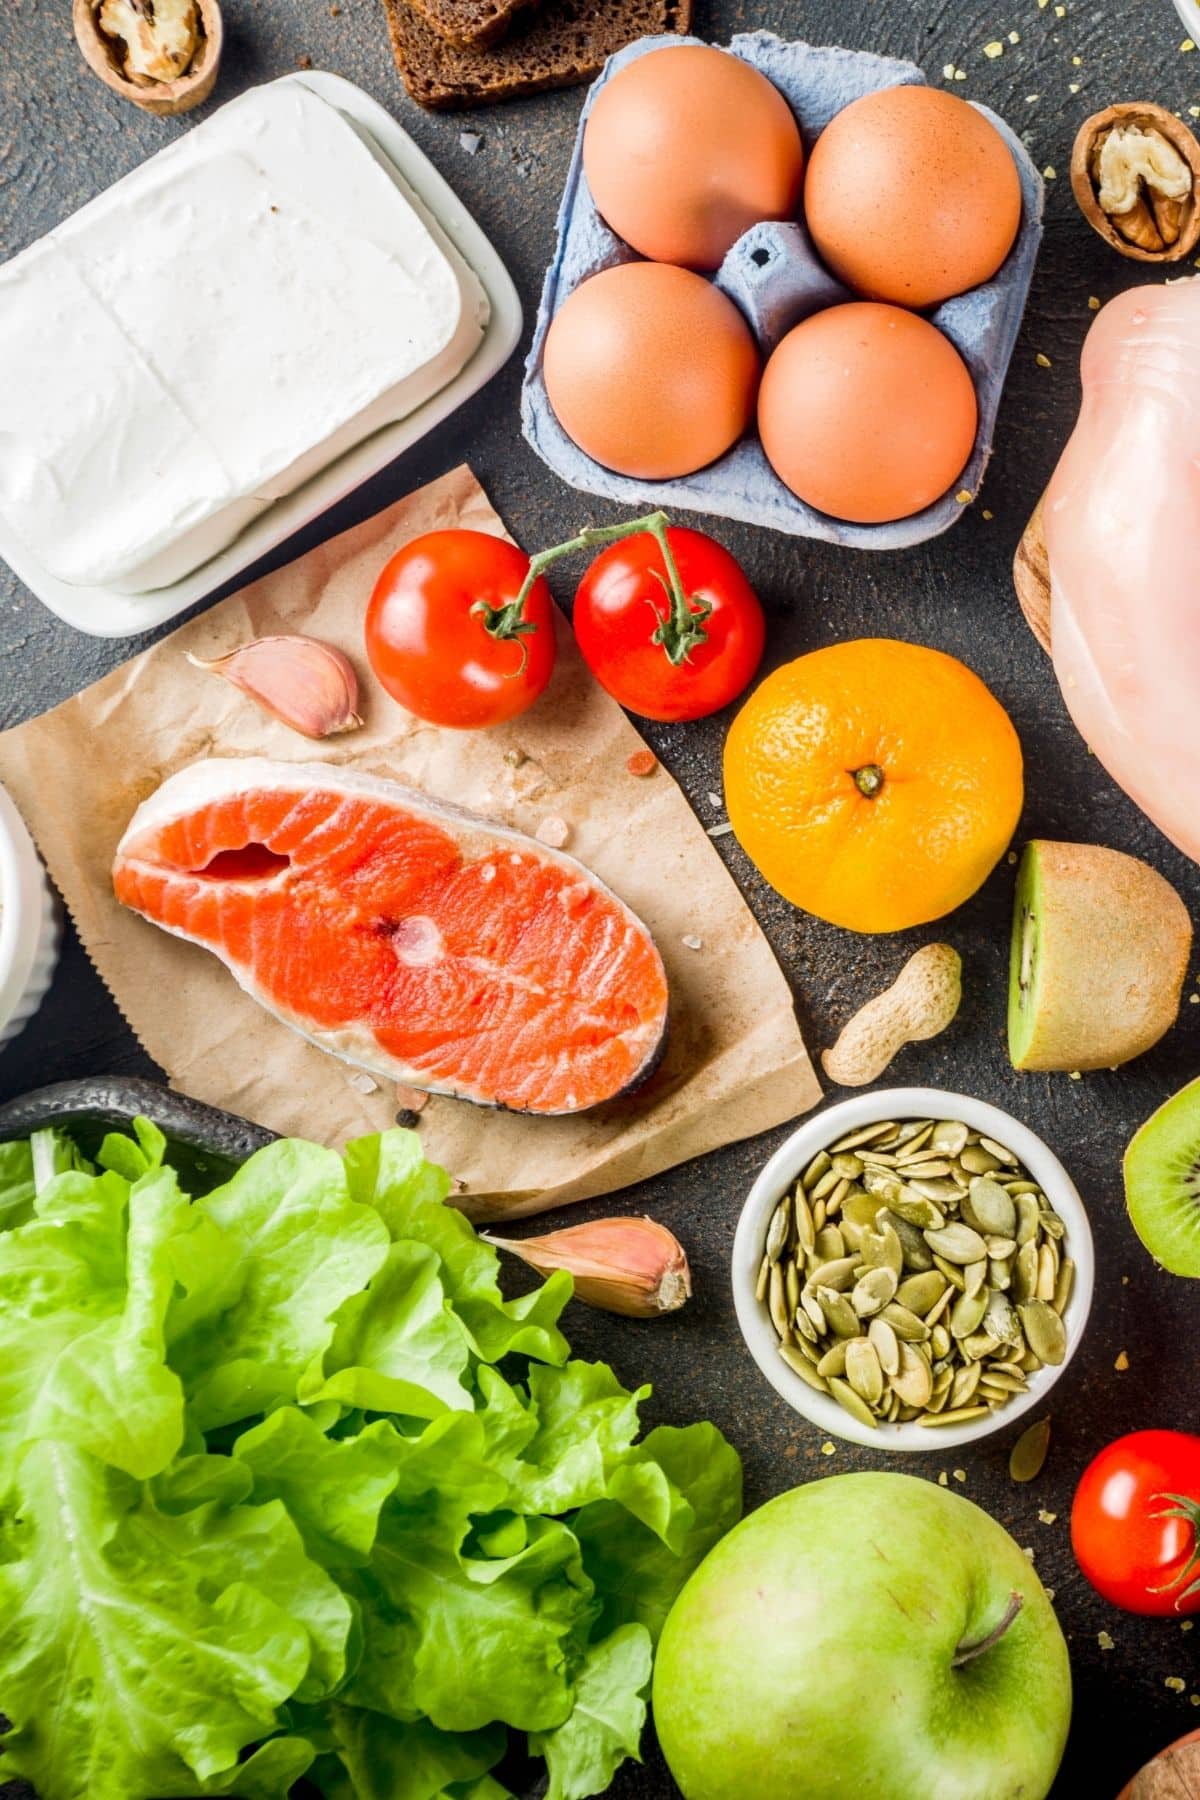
(164, 98)
(1087, 144)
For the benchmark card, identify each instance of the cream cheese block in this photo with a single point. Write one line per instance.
(213, 330)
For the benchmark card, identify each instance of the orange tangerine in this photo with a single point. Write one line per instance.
(875, 784)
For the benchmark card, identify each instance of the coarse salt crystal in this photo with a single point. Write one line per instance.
(691, 942)
(361, 1082)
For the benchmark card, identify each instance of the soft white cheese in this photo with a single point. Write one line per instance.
(210, 332)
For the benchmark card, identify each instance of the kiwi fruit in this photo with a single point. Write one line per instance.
(1162, 1182)
(1100, 949)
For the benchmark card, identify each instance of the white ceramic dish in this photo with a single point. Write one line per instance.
(30, 929)
(785, 1167)
(102, 612)
(1189, 12)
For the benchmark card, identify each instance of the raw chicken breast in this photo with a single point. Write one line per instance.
(1123, 534)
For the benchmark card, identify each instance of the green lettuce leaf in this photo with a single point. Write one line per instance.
(84, 1291)
(333, 1488)
(303, 1247)
(637, 1574)
(398, 1347)
(389, 1174)
(607, 1720)
(17, 1187)
(182, 1634)
(381, 1759)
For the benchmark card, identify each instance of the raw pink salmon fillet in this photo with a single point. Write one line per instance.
(419, 942)
(1122, 519)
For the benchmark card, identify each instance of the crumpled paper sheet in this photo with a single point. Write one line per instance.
(736, 1064)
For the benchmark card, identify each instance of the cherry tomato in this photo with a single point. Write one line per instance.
(664, 658)
(1133, 1522)
(445, 636)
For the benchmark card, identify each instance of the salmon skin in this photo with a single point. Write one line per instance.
(410, 938)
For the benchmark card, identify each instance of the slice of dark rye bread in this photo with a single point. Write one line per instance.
(563, 42)
(470, 24)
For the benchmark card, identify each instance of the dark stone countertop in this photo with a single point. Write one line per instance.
(63, 137)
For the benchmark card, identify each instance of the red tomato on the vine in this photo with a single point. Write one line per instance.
(656, 659)
(1134, 1523)
(448, 635)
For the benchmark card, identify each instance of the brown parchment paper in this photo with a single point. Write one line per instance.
(736, 1063)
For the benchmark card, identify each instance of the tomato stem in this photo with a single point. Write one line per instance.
(1182, 1507)
(680, 631)
(968, 1652)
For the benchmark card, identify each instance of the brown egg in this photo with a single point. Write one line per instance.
(867, 412)
(686, 148)
(651, 370)
(911, 196)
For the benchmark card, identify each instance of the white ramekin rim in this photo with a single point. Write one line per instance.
(22, 890)
(1189, 12)
(790, 1160)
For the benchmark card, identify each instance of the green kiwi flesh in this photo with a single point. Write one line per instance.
(1100, 949)
(1162, 1183)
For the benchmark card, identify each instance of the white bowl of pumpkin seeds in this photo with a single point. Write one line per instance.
(913, 1270)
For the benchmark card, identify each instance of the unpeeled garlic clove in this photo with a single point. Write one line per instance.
(628, 1265)
(304, 683)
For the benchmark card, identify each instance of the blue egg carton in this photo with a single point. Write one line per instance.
(775, 276)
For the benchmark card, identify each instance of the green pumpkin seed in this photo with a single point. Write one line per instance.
(1000, 1271)
(834, 1360)
(913, 1381)
(812, 1312)
(979, 1345)
(1008, 1380)
(938, 1193)
(872, 1292)
(940, 1341)
(990, 1209)
(953, 1273)
(778, 1230)
(882, 1250)
(1029, 1452)
(886, 1345)
(1047, 1275)
(1063, 1286)
(840, 1274)
(791, 1286)
(917, 1254)
(1025, 1272)
(863, 1371)
(949, 1137)
(809, 1350)
(916, 1209)
(957, 1243)
(974, 1276)
(883, 1184)
(829, 1244)
(966, 1314)
(920, 1292)
(966, 1380)
(777, 1304)
(833, 1203)
(1000, 1151)
(841, 1316)
(1000, 1248)
(978, 1161)
(1000, 1319)
(847, 1166)
(961, 1415)
(852, 1403)
(1029, 1218)
(1044, 1330)
(1052, 1225)
(867, 1134)
(935, 1169)
(941, 1306)
(806, 1331)
(804, 1369)
(806, 1235)
(763, 1282)
(820, 1165)
(906, 1325)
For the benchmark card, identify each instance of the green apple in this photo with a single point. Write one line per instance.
(870, 1635)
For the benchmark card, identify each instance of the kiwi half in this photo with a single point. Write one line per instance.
(1100, 949)
(1162, 1182)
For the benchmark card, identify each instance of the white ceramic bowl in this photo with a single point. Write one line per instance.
(785, 1167)
(1189, 12)
(30, 931)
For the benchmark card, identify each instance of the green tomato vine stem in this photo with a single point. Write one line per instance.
(680, 630)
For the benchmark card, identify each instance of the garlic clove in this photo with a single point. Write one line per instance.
(631, 1266)
(304, 683)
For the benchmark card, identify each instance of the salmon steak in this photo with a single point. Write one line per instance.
(412, 939)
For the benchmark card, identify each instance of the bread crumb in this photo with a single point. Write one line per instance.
(1122, 1362)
